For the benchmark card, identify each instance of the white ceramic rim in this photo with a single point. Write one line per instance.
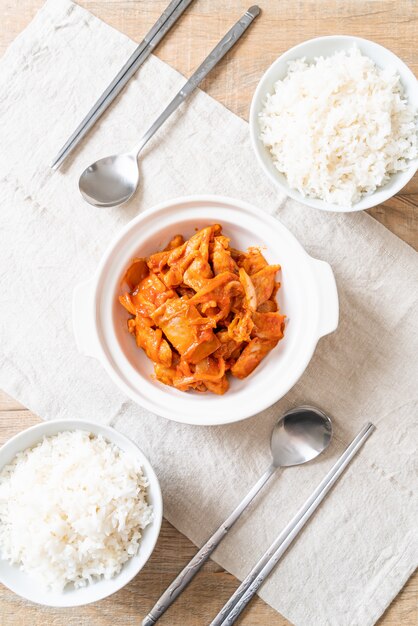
(381, 194)
(100, 589)
(238, 411)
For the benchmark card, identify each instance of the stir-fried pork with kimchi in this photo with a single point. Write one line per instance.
(201, 309)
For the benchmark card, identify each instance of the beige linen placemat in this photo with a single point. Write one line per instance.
(360, 547)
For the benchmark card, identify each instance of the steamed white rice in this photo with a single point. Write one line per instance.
(72, 509)
(339, 127)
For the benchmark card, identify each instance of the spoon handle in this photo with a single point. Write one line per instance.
(202, 71)
(250, 585)
(186, 575)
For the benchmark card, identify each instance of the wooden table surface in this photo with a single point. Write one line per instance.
(391, 23)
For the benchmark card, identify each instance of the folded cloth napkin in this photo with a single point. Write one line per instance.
(360, 547)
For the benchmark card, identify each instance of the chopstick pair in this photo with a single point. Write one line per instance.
(250, 585)
(269, 560)
(161, 27)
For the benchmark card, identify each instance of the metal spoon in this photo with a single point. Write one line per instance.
(114, 179)
(297, 437)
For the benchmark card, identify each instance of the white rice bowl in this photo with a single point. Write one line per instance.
(310, 50)
(339, 127)
(73, 508)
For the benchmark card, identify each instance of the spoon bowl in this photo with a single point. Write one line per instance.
(110, 181)
(299, 436)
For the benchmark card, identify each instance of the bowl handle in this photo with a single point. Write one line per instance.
(328, 297)
(84, 319)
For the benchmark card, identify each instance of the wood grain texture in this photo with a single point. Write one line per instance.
(391, 23)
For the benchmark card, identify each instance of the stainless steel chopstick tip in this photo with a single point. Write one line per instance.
(54, 165)
(254, 10)
(367, 430)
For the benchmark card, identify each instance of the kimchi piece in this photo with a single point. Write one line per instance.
(202, 310)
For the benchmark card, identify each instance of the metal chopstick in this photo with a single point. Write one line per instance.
(167, 19)
(259, 573)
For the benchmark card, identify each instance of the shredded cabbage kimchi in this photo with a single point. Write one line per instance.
(201, 309)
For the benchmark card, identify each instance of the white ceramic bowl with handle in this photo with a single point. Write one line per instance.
(327, 46)
(308, 297)
(25, 586)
